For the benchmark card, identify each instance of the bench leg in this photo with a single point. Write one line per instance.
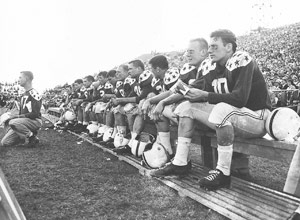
(240, 164)
(208, 154)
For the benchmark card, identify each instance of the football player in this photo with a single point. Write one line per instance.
(25, 125)
(136, 89)
(230, 97)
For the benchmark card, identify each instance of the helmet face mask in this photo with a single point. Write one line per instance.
(138, 146)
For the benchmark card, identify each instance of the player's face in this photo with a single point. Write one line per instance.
(133, 71)
(155, 71)
(86, 83)
(112, 80)
(102, 79)
(121, 74)
(22, 79)
(217, 50)
(193, 53)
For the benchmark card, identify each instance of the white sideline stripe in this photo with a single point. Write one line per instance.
(11, 204)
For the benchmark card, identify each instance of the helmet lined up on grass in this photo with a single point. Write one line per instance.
(156, 157)
(140, 145)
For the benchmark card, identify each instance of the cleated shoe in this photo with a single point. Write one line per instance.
(215, 180)
(122, 150)
(171, 170)
(33, 141)
(97, 139)
(294, 216)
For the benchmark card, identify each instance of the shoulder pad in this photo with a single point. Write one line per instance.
(186, 69)
(154, 81)
(237, 60)
(145, 75)
(129, 80)
(206, 66)
(108, 85)
(172, 75)
(100, 87)
(35, 94)
(119, 83)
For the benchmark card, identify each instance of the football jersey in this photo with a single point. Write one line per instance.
(30, 105)
(188, 73)
(99, 92)
(119, 90)
(143, 87)
(239, 83)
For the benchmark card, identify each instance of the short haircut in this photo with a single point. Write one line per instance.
(159, 61)
(111, 73)
(90, 78)
(28, 75)
(102, 73)
(202, 42)
(137, 63)
(124, 67)
(78, 81)
(227, 37)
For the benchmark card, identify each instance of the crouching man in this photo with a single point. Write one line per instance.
(230, 97)
(26, 124)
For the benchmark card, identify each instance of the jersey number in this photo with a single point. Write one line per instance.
(220, 85)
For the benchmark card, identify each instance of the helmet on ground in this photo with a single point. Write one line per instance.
(138, 146)
(4, 117)
(108, 134)
(156, 157)
(282, 123)
(92, 128)
(120, 140)
(70, 115)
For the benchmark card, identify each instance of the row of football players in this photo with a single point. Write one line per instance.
(114, 107)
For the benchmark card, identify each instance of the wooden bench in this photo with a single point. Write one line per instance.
(244, 200)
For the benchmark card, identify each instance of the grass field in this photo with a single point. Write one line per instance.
(63, 179)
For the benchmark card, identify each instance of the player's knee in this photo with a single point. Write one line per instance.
(225, 135)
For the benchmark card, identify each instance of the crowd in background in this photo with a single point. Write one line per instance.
(277, 52)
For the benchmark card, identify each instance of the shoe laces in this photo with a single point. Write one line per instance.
(213, 174)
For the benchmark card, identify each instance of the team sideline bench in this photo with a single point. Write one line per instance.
(244, 200)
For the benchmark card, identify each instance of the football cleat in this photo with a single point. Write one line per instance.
(171, 170)
(215, 180)
(122, 150)
(33, 141)
(294, 216)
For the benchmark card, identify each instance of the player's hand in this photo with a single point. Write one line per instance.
(145, 107)
(196, 95)
(157, 113)
(114, 101)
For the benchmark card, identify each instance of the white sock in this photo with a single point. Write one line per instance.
(85, 123)
(133, 136)
(115, 132)
(94, 122)
(224, 159)
(182, 152)
(165, 141)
